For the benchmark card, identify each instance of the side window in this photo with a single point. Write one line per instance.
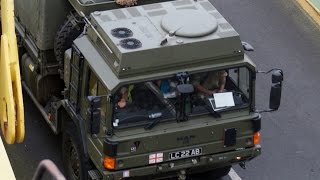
(93, 84)
(241, 78)
(233, 74)
(96, 88)
(74, 77)
(244, 80)
(103, 91)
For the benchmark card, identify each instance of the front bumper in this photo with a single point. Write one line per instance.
(190, 165)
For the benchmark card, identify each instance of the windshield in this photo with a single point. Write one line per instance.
(216, 91)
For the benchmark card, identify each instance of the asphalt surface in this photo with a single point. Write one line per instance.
(40, 143)
(283, 37)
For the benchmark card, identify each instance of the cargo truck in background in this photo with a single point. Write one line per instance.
(120, 85)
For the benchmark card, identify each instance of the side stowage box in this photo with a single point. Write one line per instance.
(42, 19)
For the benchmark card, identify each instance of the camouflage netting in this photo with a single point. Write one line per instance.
(127, 2)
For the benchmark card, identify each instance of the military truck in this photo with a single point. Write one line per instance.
(123, 86)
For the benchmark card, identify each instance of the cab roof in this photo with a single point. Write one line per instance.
(162, 36)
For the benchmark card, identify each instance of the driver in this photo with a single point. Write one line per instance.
(211, 82)
(125, 96)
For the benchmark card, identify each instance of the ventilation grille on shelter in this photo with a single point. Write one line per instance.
(130, 43)
(121, 32)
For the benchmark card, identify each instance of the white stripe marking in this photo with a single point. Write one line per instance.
(233, 175)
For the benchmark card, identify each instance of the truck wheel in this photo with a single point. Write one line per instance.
(68, 32)
(74, 161)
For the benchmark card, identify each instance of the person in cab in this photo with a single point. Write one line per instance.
(206, 84)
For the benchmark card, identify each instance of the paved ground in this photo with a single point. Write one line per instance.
(40, 143)
(284, 37)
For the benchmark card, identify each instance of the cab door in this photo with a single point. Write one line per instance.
(92, 86)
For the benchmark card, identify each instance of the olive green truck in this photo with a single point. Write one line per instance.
(157, 90)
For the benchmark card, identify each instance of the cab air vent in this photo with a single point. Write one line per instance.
(121, 32)
(130, 43)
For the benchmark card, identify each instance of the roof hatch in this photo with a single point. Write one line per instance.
(189, 23)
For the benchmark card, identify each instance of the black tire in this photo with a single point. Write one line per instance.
(213, 174)
(74, 160)
(68, 32)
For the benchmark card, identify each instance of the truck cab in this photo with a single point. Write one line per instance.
(161, 89)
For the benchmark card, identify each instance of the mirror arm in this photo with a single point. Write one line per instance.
(91, 98)
(267, 72)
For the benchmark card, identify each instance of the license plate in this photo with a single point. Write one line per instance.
(185, 153)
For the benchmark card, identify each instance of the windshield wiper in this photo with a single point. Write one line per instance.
(152, 124)
(135, 118)
(140, 117)
(157, 117)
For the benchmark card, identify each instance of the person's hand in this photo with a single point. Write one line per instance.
(210, 93)
(216, 91)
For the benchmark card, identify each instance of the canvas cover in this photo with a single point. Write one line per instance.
(42, 19)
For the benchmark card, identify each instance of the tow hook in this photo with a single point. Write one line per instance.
(182, 175)
(242, 165)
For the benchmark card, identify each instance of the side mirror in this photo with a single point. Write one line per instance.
(185, 88)
(277, 76)
(246, 46)
(94, 114)
(275, 96)
(276, 89)
(94, 119)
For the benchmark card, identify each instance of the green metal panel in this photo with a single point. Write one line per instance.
(42, 18)
(146, 24)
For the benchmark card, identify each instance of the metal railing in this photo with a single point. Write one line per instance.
(47, 166)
